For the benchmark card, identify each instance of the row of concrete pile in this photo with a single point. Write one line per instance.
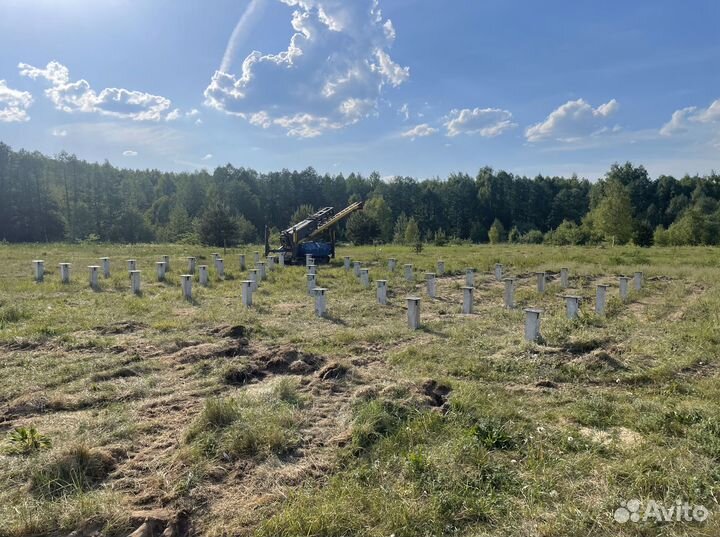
(259, 273)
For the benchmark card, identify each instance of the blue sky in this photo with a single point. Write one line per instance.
(402, 87)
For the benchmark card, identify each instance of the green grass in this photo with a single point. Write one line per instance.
(146, 405)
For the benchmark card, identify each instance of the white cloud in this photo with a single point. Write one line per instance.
(78, 96)
(486, 122)
(691, 117)
(207, 157)
(404, 111)
(130, 153)
(59, 133)
(13, 104)
(419, 131)
(573, 121)
(331, 75)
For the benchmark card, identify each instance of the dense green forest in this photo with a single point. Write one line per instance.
(64, 198)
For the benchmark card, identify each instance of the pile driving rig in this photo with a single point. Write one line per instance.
(303, 238)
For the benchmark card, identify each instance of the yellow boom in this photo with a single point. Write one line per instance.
(347, 211)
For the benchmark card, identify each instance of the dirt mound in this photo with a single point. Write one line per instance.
(333, 370)
(204, 351)
(546, 384)
(160, 523)
(277, 361)
(600, 360)
(286, 360)
(119, 373)
(435, 392)
(27, 405)
(585, 346)
(237, 331)
(20, 344)
(120, 327)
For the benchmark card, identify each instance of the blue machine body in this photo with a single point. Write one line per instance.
(316, 249)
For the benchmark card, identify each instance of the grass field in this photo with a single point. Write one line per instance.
(121, 413)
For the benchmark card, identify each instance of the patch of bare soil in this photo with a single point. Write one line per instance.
(600, 360)
(168, 493)
(618, 436)
(120, 327)
(159, 523)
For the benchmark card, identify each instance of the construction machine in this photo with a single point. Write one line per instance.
(315, 236)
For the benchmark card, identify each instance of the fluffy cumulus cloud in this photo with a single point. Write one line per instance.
(573, 121)
(685, 119)
(486, 122)
(419, 131)
(331, 75)
(14, 104)
(77, 96)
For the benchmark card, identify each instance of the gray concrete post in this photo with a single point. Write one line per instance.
(247, 290)
(160, 270)
(540, 282)
(320, 301)
(413, 312)
(312, 269)
(220, 267)
(572, 306)
(392, 264)
(308, 260)
(203, 275)
(94, 270)
(242, 262)
(256, 258)
(469, 277)
(65, 272)
(564, 278)
(382, 292)
(255, 278)
(311, 283)
(638, 280)
(281, 260)
(600, 293)
(409, 276)
(166, 259)
(624, 287)
(440, 268)
(261, 270)
(346, 262)
(270, 262)
(431, 284)
(186, 284)
(191, 265)
(532, 324)
(132, 264)
(509, 293)
(356, 268)
(365, 278)
(105, 266)
(468, 300)
(135, 281)
(498, 271)
(39, 266)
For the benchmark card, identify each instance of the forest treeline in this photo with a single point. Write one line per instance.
(63, 198)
